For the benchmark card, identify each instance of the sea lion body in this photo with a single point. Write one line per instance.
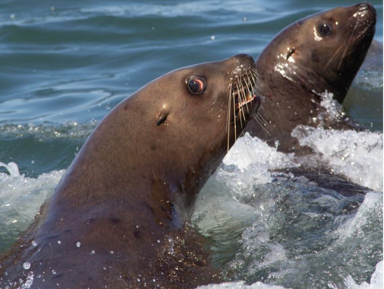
(116, 220)
(320, 53)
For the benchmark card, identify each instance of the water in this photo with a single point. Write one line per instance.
(65, 64)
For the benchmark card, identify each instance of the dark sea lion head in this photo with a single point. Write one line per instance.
(320, 53)
(323, 51)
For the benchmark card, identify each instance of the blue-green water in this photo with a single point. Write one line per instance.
(65, 64)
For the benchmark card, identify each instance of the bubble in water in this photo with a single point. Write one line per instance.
(78, 244)
(34, 244)
(27, 265)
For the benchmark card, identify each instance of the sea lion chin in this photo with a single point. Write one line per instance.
(116, 218)
(319, 53)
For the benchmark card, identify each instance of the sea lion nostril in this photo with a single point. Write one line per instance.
(362, 5)
(366, 6)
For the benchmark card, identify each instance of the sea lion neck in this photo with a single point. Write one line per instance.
(152, 170)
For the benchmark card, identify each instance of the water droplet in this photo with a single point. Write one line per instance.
(213, 37)
(78, 244)
(93, 252)
(12, 16)
(26, 265)
(111, 252)
(245, 19)
(34, 244)
(59, 242)
(53, 272)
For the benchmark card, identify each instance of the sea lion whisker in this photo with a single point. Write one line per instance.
(245, 99)
(239, 90)
(256, 85)
(241, 100)
(249, 84)
(334, 55)
(234, 115)
(229, 116)
(261, 124)
(345, 50)
(262, 118)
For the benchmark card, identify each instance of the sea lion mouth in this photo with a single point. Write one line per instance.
(243, 101)
(249, 97)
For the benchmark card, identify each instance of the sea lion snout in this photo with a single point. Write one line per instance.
(244, 58)
(241, 62)
(365, 14)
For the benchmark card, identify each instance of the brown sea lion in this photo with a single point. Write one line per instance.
(116, 220)
(322, 52)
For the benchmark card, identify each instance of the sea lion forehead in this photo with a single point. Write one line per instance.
(342, 15)
(219, 72)
(206, 70)
(213, 70)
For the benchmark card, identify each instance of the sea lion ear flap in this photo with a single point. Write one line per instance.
(162, 117)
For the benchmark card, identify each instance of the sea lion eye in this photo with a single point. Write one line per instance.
(196, 85)
(325, 29)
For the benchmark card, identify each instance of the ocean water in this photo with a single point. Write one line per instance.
(65, 64)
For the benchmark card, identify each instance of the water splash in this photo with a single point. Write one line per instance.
(20, 200)
(356, 155)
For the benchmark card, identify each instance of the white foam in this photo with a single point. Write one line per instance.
(240, 285)
(12, 168)
(247, 164)
(375, 283)
(368, 212)
(354, 230)
(21, 198)
(357, 155)
(49, 130)
(223, 206)
(249, 151)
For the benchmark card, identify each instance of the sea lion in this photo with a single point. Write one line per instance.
(322, 52)
(116, 219)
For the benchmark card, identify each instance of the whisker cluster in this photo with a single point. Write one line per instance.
(242, 91)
